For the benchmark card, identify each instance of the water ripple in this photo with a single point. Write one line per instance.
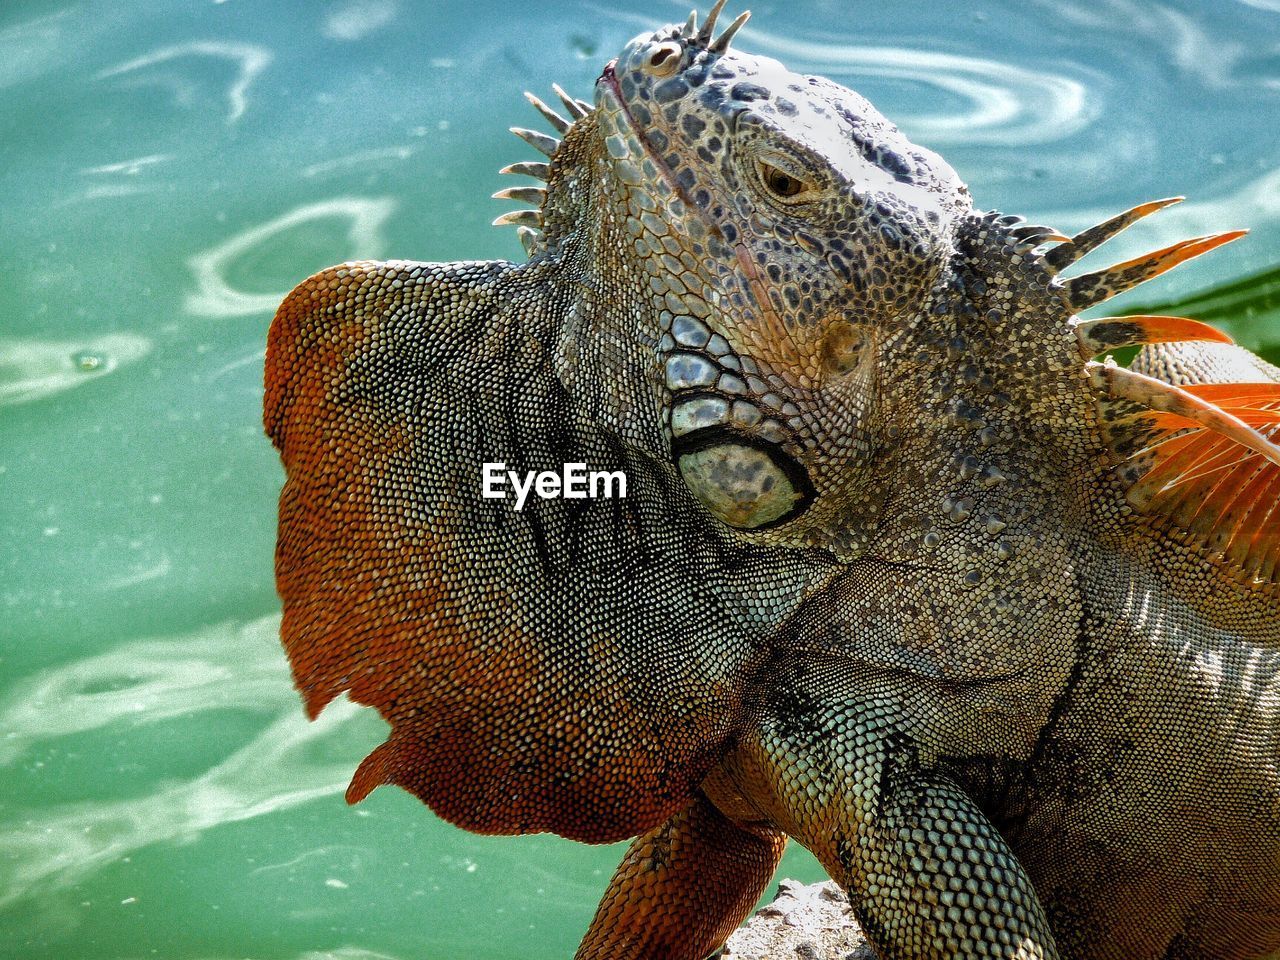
(251, 60)
(1196, 46)
(1009, 105)
(30, 49)
(57, 845)
(34, 369)
(149, 680)
(129, 168)
(361, 158)
(356, 19)
(216, 297)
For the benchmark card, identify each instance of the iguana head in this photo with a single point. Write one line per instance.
(778, 227)
(775, 290)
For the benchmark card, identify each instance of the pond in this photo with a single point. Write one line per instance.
(170, 170)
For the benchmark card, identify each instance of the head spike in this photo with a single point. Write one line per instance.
(575, 107)
(1112, 333)
(530, 239)
(709, 25)
(529, 168)
(721, 43)
(560, 123)
(1087, 240)
(1030, 236)
(1086, 290)
(1028, 244)
(539, 141)
(519, 218)
(533, 195)
(690, 26)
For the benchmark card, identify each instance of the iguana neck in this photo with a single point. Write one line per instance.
(600, 319)
(988, 426)
(984, 415)
(988, 431)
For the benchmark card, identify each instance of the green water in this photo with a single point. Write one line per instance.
(168, 170)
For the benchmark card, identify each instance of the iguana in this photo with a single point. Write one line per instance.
(902, 572)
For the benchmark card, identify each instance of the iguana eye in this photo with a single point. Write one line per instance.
(780, 183)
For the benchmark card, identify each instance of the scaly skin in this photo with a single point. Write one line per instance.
(894, 576)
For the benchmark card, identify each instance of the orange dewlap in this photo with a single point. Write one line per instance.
(498, 670)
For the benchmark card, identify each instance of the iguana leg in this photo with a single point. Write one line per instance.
(928, 875)
(683, 887)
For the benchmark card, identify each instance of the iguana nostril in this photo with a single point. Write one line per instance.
(664, 59)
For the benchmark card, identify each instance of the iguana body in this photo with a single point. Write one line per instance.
(992, 629)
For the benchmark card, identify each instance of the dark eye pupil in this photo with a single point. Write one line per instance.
(782, 184)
